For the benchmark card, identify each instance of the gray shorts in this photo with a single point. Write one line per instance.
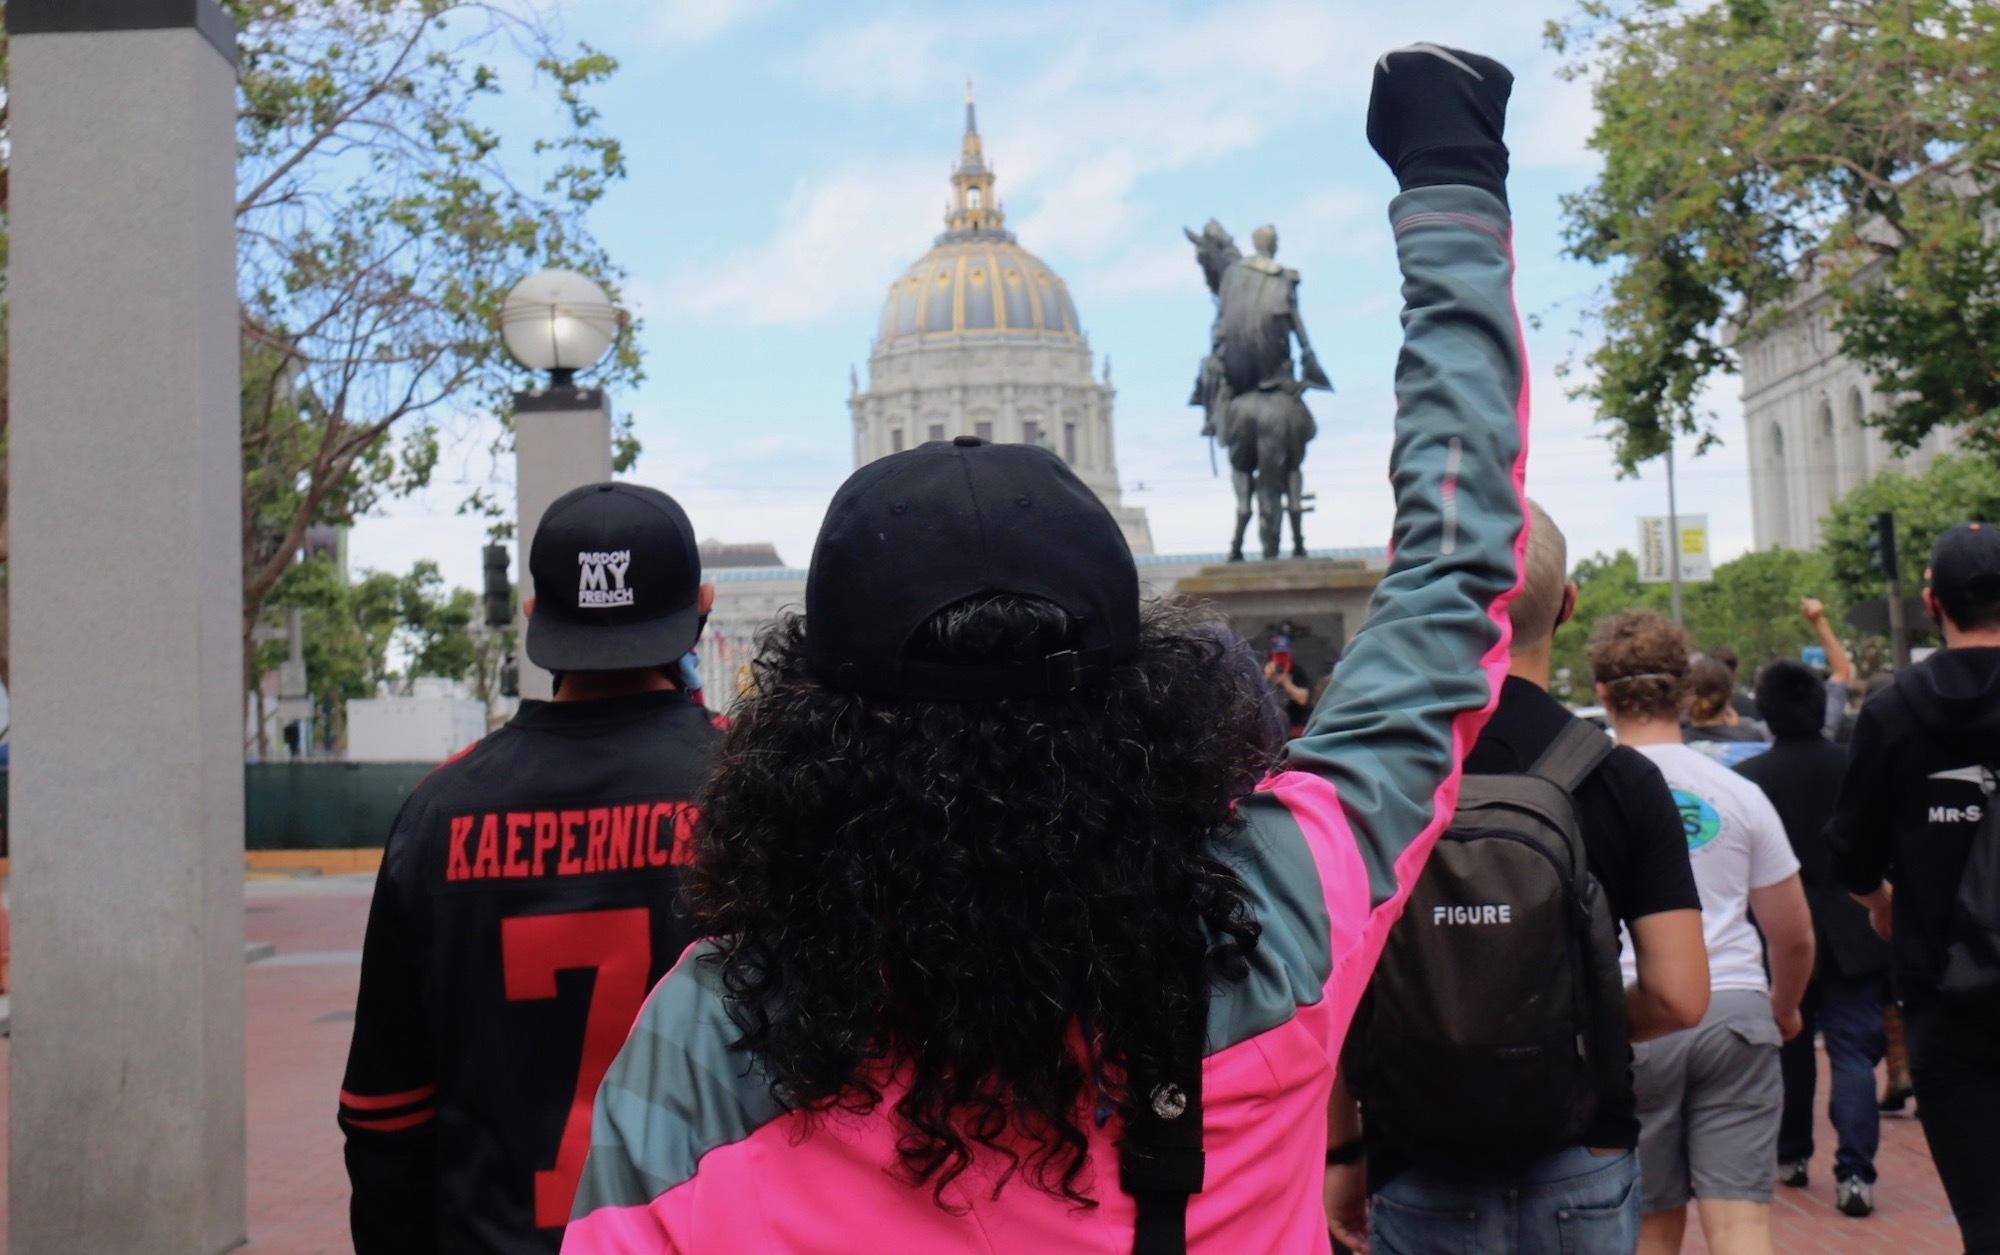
(1709, 1100)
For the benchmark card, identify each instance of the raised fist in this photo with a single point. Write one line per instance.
(1436, 115)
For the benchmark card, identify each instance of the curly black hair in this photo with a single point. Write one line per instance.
(1004, 905)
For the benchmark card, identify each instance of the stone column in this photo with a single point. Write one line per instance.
(562, 440)
(125, 1090)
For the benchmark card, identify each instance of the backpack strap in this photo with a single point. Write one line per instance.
(1573, 755)
(1160, 1161)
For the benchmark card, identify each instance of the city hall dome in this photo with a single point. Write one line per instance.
(978, 337)
(978, 283)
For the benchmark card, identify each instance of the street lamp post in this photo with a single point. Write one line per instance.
(559, 322)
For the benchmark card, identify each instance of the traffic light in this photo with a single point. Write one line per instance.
(1882, 545)
(499, 592)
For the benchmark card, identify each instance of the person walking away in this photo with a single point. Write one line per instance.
(1917, 801)
(1801, 774)
(1741, 700)
(1581, 1198)
(1709, 1097)
(1713, 727)
(529, 898)
(1011, 951)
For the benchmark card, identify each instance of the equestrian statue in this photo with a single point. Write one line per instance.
(1249, 396)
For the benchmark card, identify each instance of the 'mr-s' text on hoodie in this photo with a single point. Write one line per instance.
(1920, 776)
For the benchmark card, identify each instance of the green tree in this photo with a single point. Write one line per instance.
(1751, 606)
(380, 219)
(435, 625)
(1757, 150)
(1956, 489)
(1604, 586)
(354, 632)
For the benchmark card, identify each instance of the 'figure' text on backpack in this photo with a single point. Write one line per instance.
(1497, 1011)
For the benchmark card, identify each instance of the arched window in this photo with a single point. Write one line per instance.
(1778, 508)
(1854, 440)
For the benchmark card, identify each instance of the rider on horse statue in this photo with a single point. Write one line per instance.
(1246, 388)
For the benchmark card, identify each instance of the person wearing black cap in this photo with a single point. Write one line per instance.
(1919, 791)
(529, 898)
(1013, 951)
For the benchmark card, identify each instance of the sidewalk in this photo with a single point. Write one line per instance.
(301, 1010)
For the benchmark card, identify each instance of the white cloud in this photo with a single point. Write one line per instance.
(1552, 124)
(841, 238)
(685, 22)
(1091, 104)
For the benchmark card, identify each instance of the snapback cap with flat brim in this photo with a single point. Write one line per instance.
(914, 533)
(617, 581)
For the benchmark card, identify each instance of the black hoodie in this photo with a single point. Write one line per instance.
(1920, 772)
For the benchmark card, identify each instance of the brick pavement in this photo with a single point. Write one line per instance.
(300, 1010)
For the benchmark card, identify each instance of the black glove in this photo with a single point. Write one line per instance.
(1436, 116)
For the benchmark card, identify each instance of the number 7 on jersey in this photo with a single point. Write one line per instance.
(618, 945)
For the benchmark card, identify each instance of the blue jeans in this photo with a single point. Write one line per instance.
(1848, 1013)
(1570, 1203)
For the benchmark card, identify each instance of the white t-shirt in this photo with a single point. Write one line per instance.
(1736, 843)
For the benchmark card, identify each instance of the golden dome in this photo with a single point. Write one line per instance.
(977, 281)
(980, 284)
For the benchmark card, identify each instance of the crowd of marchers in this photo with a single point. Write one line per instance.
(1004, 912)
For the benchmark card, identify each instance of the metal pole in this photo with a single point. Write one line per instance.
(1673, 535)
(1899, 627)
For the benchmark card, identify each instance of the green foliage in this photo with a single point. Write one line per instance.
(1956, 489)
(347, 628)
(1751, 606)
(381, 219)
(1753, 148)
(355, 631)
(1604, 586)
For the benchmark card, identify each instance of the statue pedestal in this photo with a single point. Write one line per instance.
(1324, 599)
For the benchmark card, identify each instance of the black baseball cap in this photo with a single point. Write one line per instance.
(915, 532)
(617, 581)
(1965, 570)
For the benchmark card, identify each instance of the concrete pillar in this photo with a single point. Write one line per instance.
(125, 1089)
(562, 440)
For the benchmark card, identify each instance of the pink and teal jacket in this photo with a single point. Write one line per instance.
(691, 1155)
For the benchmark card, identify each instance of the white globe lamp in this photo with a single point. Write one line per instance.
(559, 321)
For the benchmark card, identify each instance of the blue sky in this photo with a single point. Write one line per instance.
(789, 159)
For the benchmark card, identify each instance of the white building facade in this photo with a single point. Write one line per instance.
(980, 338)
(1805, 408)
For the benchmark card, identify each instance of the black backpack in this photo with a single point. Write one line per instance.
(1497, 1013)
(1971, 979)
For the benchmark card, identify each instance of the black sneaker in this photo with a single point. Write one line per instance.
(1792, 1172)
(1854, 1197)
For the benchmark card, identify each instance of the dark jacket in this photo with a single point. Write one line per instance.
(1919, 771)
(529, 898)
(1801, 776)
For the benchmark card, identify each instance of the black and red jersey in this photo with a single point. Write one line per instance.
(529, 899)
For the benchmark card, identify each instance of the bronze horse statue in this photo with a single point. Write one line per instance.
(1246, 388)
